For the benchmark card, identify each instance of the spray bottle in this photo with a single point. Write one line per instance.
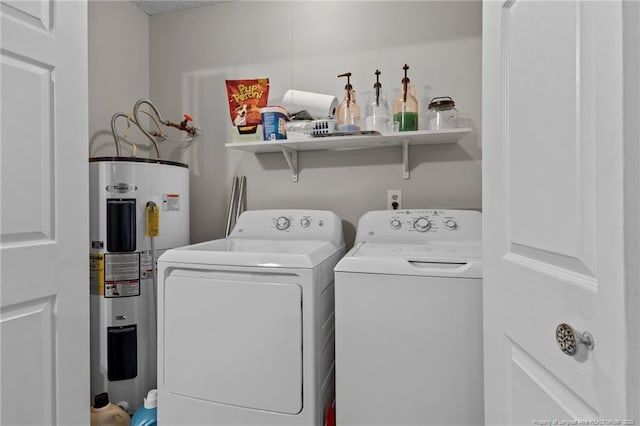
(348, 110)
(405, 107)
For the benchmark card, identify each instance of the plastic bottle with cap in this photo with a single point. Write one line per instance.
(104, 413)
(147, 415)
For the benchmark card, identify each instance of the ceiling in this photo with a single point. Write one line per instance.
(156, 7)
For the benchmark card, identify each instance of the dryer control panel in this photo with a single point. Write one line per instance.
(322, 225)
(420, 225)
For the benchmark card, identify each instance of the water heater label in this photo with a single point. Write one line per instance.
(146, 270)
(96, 274)
(121, 274)
(170, 202)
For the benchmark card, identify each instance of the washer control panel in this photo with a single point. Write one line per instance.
(424, 221)
(428, 224)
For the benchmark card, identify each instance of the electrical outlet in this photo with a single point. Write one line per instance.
(394, 199)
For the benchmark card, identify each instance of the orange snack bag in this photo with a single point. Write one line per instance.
(245, 98)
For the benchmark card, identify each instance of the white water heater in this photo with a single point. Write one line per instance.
(130, 199)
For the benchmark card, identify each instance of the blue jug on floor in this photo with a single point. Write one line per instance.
(147, 415)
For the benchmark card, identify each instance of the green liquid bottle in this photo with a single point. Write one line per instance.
(407, 120)
(405, 107)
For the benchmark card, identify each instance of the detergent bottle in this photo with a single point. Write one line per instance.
(405, 107)
(147, 415)
(104, 413)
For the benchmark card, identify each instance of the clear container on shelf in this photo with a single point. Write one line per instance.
(442, 114)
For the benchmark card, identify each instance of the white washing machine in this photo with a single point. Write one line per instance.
(246, 323)
(409, 320)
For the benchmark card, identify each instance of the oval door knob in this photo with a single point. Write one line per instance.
(568, 339)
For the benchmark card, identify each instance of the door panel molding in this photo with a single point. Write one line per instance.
(37, 15)
(29, 326)
(28, 193)
(566, 268)
(550, 207)
(562, 395)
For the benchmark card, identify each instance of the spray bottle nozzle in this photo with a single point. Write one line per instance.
(405, 81)
(348, 87)
(348, 75)
(377, 85)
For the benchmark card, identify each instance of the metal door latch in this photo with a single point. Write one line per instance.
(568, 339)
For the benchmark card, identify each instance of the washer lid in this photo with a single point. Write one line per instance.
(257, 253)
(439, 259)
(435, 251)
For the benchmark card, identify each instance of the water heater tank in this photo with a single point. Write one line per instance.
(127, 196)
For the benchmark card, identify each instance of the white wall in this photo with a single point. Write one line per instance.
(304, 45)
(118, 71)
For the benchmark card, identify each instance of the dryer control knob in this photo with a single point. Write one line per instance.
(422, 224)
(283, 223)
(396, 224)
(451, 224)
(305, 222)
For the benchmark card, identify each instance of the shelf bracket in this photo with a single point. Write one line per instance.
(405, 159)
(291, 156)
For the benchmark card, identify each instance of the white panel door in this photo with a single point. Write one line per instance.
(554, 204)
(44, 316)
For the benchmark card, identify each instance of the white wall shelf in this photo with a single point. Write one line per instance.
(290, 147)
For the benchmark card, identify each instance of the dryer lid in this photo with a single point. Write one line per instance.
(256, 253)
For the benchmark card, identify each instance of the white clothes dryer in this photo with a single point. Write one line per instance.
(246, 323)
(409, 320)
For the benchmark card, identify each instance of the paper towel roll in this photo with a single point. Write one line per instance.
(317, 104)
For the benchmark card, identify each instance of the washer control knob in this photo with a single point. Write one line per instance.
(304, 222)
(283, 223)
(422, 224)
(396, 224)
(450, 224)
